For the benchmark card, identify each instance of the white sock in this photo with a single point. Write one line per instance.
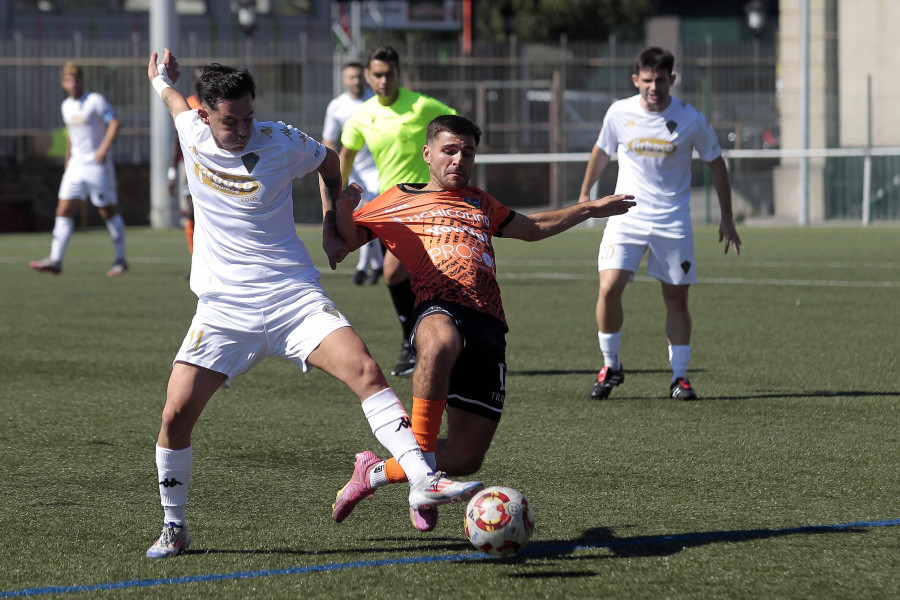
(361, 263)
(174, 469)
(391, 425)
(679, 357)
(378, 476)
(609, 346)
(62, 233)
(116, 228)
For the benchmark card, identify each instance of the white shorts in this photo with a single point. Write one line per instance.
(92, 180)
(232, 338)
(671, 259)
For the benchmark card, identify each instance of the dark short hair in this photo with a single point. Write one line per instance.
(352, 65)
(384, 54)
(655, 59)
(452, 124)
(218, 82)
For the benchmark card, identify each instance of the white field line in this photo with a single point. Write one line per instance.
(592, 276)
(715, 280)
(731, 263)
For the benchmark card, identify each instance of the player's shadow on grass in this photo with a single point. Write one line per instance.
(447, 544)
(596, 538)
(647, 546)
(593, 372)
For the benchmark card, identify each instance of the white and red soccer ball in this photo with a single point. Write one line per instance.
(499, 521)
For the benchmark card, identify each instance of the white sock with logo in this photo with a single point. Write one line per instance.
(391, 425)
(378, 476)
(679, 357)
(62, 233)
(116, 228)
(174, 470)
(609, 346)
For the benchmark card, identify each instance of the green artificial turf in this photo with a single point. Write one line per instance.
(794, 354)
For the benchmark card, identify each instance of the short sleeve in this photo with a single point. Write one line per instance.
(351, 137)
(305, 153)
(332, 128)
(500, 215)
(607, 140)
(105, 109)
(706, 142)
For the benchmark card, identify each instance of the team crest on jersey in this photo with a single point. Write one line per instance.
(331, 310)
(652, 147)
(226, 183)
(671, 126)
(473, 202)
(250, 159)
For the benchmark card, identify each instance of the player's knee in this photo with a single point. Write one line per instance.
(370, 372)
(463, 465)
(676, 298)
(437, 354)
(177, 421)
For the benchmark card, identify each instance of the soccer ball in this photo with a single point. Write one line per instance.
(499, 521)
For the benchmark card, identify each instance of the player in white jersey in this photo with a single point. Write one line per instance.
(91, 127)
(259, 294)
(371, 257)
(654, 135)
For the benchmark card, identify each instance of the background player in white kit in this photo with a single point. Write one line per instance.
(91, 127)
(371, 258)
(654, 135)
(259, 294)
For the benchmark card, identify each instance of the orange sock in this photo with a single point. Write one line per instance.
(189, 234)
(426, 421)
(393, 471)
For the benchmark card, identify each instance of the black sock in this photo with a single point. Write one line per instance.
(404, 302)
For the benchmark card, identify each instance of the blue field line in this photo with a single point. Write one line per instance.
(533, 550)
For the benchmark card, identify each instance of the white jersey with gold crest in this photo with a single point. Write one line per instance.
(86, 120)
(245, 242)
(654, 152)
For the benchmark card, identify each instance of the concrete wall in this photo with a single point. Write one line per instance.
(786, 176)
(868, 33)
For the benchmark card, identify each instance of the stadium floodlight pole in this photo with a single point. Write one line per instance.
(163, 34)
(803, 188)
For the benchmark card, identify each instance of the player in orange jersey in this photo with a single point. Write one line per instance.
(441, 232)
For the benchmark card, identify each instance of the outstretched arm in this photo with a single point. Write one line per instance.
(347, 158)
(720, 181)
(162, 82)
(539, 226)
(596, 163)
(330, 174)
(352, 234)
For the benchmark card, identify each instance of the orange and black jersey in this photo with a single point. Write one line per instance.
(443, 239)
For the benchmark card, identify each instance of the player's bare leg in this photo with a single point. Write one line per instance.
(610, 318)
(678, 332)
(468, 439)
(116, 227)
(64, 225)
(344, 355)
(189, 390)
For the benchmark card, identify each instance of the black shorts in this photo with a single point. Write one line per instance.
(478, 379)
